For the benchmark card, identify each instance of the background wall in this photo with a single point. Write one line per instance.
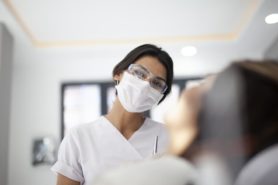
(36, 107)
(6, 44)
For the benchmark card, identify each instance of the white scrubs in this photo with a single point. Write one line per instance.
(90, 149)
(167, 170)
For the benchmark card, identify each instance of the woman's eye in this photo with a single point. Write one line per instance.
(157, 84)
(140, 74)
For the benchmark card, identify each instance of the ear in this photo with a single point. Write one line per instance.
(118, 77)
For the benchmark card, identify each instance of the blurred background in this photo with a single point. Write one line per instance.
(56, 61)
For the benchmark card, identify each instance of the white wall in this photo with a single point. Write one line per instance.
(36, 104)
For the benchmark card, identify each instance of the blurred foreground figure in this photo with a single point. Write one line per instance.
(238, 122)
(223, 131)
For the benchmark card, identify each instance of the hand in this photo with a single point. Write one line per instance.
(182, 120)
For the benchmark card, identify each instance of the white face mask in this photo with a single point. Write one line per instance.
(137, 95)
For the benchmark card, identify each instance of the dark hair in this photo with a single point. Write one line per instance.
(260, 106)
(148, 50)
(242, 105)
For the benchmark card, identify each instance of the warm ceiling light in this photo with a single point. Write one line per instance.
(272, 18)
(189, 51)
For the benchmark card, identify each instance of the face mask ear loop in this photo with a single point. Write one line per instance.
(117, 83)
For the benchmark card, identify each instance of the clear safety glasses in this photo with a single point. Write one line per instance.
(142, 73)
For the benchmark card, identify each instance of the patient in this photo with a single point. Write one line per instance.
(238, 120)
(230, 120)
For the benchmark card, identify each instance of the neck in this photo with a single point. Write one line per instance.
(127, 123)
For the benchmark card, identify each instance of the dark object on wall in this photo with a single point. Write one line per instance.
(44, 151)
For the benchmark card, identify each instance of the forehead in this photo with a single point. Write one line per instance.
(153, 65)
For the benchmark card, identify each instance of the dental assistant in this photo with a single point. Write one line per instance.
(143, 79)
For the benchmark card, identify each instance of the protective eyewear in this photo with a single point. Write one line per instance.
(142, 73)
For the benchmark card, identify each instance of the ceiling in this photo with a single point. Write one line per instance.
(78, 22)
(220, 29)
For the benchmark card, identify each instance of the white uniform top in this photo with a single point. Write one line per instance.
(90, 149)
(167, 170)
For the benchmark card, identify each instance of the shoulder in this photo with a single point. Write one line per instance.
(86, 128)
(157, 127)
(152, 123)
(268, 165)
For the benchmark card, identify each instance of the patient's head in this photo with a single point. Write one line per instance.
(239, 114)
(236, 117)
(242, 106)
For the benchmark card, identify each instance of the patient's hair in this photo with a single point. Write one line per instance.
(260, 104)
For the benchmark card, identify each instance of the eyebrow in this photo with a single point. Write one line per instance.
(145, 69)
(161, 78)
